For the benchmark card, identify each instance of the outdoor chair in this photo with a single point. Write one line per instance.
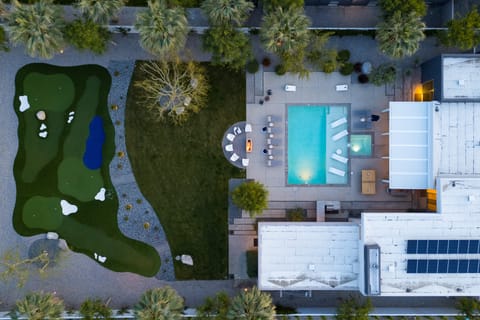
(234, 157)
(245, 162)
(336, 171)
(340, 135)
(338, 122)
(339, 158)
(237, 131)
(230, 137)
(229, 147)
(248, 127)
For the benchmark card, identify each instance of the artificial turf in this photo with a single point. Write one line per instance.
(48, 170)
(183, 173)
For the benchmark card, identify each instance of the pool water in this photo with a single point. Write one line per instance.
(361, 145)
(310, 144)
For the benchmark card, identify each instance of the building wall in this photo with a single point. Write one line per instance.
(432, 69)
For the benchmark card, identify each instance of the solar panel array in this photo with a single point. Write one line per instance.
(443, 246)
(443, 266)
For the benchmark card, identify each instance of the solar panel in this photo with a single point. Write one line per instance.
(462, 266)
(411, 266)
(452, 266)
(473, 266)
(422, 266)
(473, 246)
(432, 246)
(412, 246)
(463, 246)
(442, 246)
(442, 266)
(422, 246)
(452, 246)
(432, 266)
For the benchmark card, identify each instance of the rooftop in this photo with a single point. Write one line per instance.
(461, 77)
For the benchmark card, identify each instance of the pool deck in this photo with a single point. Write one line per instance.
(320, 88)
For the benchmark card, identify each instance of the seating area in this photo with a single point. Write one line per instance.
(236, 145)
(272, 143)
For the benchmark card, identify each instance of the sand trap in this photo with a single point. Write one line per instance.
(52, 235)
(43, 127)
(43, 134)
(24, 105)
(68, 208)
(100, 258)
(70, 119)
(100, 196)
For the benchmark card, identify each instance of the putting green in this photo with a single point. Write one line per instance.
(51, 168)
(43, 212)
(77, 181)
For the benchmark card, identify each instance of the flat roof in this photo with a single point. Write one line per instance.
(458, 138)
(459, 219)
(308, 256)
(411, 145)
(461, 77)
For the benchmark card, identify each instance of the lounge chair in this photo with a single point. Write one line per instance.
(229, 147)
(340, 135)
(341, 87)
(339, 158)
(269, 163)
(338, 122)
(336, 171)
(248, 127)
(290, 88)
(230, 137)
(237, 130)
(269, 118)
(245, 162)
(234, 157)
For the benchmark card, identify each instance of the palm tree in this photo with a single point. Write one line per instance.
(100, 11)
(285, 31)
(39, 306)
(400, 35)
(163, 30)
(38, 26)
(159, 304)
(252, 304)
(226, 12)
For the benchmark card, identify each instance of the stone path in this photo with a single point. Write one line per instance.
(136, 218)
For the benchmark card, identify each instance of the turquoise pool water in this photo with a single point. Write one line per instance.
(361, 145)
(310, 145)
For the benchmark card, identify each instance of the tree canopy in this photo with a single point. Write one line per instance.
(38, 26)
(251, 196)
(86, 34)
(159, 304)
(463, 32)
(400, 35)
(227, 12)
(389, 7)
(252, 304)
(229, 47)
(99, 11)
(351, 309)
(163, 29)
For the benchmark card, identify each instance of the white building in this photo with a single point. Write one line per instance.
(432, 145)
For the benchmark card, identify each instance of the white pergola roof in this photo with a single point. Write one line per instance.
(411, 145)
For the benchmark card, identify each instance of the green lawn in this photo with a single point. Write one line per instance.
(183, 173)
(49, 170)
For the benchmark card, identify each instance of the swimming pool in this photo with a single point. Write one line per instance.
(317, 144)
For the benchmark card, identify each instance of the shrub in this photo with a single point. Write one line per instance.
(87, 35)
(280, 70)
(252, 66)
(346, 69)
(357, 67)
(251, 196)
(252, 263)
(281, 309)
(266, 62)
(383, 74)
(363, 78)
(329, 66)
(3, 40)
(297, 214)
(95, 309)
(389, 7)
(343, 55)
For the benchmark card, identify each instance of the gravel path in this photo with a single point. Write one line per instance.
(136, 218)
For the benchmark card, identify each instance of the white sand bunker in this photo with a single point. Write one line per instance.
(100, 196)
(100, 258)
(68, 208)
(71, 115)
(24, 105)
(43, 126)
(43, 134)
